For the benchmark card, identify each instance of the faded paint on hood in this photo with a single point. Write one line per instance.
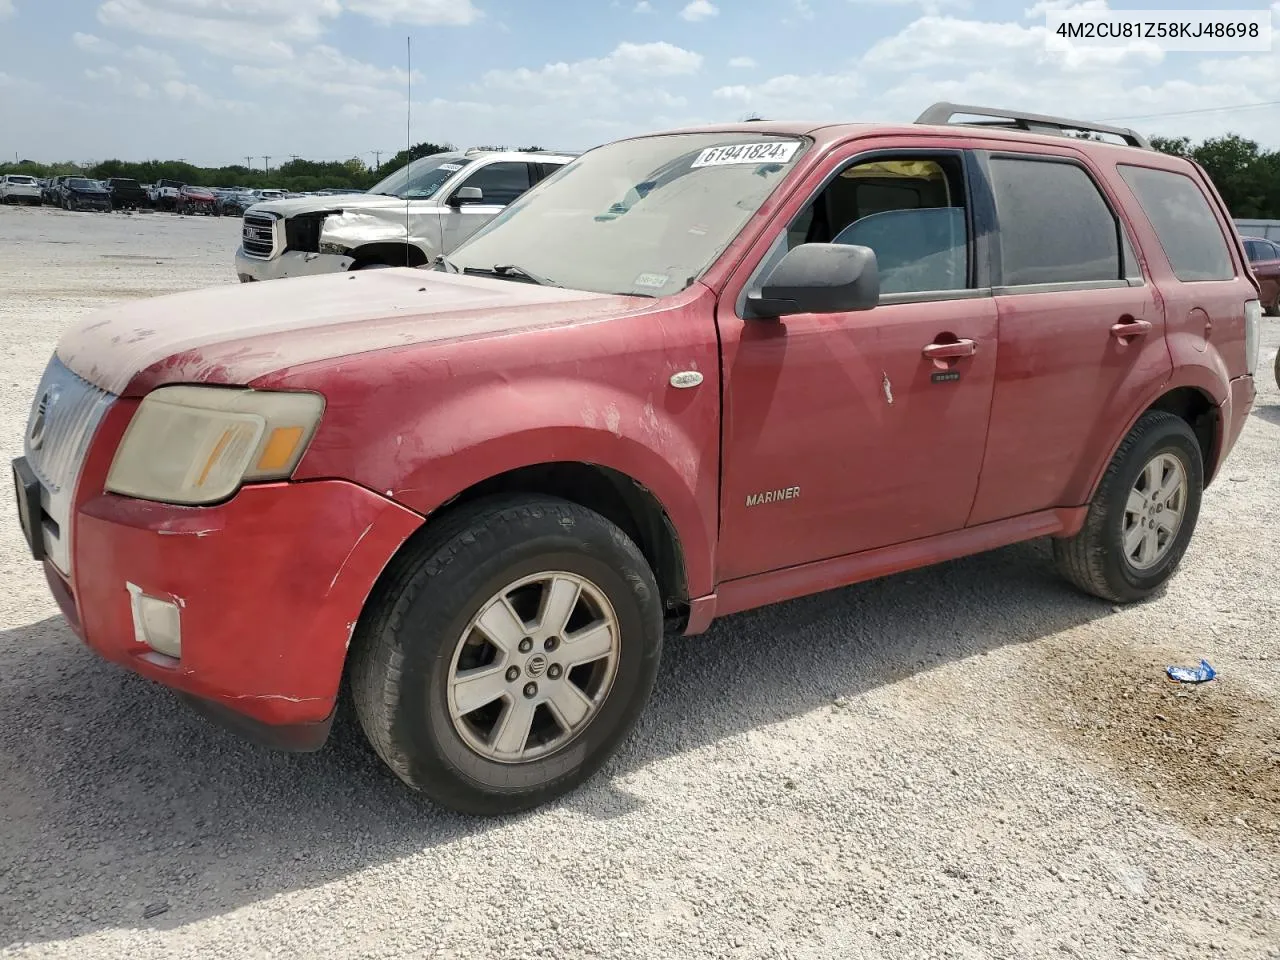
(235, 334)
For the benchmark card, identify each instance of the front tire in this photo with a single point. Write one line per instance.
(1142, 516)
(505, 655)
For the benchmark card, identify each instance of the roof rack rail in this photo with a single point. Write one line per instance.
(941, 113)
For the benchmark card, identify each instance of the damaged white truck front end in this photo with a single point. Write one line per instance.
(427, 208)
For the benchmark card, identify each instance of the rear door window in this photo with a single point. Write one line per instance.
(1184, 222)
(1055, 225)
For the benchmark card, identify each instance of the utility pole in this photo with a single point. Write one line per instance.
(266, 164)
(248, 162)
(377, 160)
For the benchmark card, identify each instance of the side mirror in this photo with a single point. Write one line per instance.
(818, 278)
(466, 195)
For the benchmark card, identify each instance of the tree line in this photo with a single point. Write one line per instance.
(1247, 176)
(293, 175)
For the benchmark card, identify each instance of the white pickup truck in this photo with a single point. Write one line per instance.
(426, 208)
(19, 188)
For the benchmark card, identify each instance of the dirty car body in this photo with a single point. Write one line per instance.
(405, 220)
(690, 374)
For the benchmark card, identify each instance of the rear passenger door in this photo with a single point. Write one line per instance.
(1081, 331)
(501, 183)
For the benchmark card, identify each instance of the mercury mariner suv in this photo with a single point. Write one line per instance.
(688, 374)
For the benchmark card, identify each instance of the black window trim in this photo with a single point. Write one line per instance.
(1124, 239)
(979, 211)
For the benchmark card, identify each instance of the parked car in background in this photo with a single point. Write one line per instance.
(19, 188)
(235, 201)
(164, 195)
(51, 193)
(196, 200)
(270, 194)
(1264, 258)
(126, 194)
(420, 211)
(692, 374)
(81, 193)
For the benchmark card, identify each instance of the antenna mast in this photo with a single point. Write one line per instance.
(408, 141)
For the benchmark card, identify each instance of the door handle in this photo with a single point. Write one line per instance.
(1126, 330)
(950, 351)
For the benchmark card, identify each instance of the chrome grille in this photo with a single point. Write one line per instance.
(66, 412)
(258, 236)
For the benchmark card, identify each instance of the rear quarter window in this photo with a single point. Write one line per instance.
(1184, 223)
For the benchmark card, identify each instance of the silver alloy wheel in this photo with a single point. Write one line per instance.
(1153, 513)
(533, 667)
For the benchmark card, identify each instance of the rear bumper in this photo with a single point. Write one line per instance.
(1234, 413)
(266, 588)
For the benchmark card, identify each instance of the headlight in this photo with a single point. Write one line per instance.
(1252, 334)
(194, 445)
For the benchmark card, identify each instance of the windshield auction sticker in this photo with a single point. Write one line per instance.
(773, 151)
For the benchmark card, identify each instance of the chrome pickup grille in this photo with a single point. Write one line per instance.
(66, 412)
(259, 235)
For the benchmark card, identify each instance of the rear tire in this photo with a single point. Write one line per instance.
(420, 637)
(1125, 551)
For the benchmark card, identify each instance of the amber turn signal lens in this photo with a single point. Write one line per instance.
(280, 447)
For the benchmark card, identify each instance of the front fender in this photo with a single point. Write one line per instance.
(424, 427)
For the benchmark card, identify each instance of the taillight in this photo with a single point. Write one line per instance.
(1252, 333)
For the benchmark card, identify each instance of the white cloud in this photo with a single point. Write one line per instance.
(91, 44)
(700, 10)
(7, 9)
(327, 70)
(236, 29)
(150, 61)
(644, 6)
(154, 61)
(742, 62)
(927, 6)
(1044, 7)
(595, 79)
(120, 80)
(425, 13)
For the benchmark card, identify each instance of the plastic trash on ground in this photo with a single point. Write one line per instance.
(1200, 674)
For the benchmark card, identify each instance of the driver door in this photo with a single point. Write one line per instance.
(841, 432)
(500, 183)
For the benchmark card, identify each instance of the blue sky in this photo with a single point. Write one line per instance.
(216, 80)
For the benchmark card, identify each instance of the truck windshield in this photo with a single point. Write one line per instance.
(421, 179)
(642, 217)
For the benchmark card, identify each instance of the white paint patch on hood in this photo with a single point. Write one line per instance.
(236, 333)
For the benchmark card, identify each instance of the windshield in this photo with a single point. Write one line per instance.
(79, 183)
(24, 180)
(123, 182)
(639, 217)
(421, 179)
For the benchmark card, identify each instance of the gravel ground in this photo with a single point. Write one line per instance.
(968, 761)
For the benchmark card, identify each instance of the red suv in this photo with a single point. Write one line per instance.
(686, 375)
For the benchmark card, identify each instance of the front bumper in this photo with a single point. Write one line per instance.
(91, 203)
(18, 195)
(266, 589)
(291, 263)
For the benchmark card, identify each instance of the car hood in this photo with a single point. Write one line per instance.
(237, 334)
(356, 201)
